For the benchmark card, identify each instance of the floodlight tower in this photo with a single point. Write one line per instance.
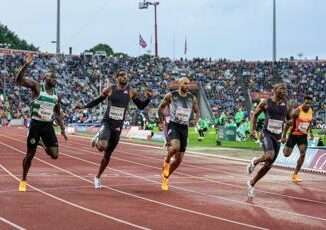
(274, 30)
(58, 27)
(144, 5)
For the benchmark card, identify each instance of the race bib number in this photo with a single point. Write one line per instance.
(303, 126)
(116, 113)
(275, 126)
(45, 111)
(183, 114)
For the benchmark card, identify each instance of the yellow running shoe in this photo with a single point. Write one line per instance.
(296, 178)
(166, 169)
(165, 184)
(22, 186)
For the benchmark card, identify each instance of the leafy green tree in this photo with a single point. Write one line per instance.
(9, 37)
(103, 47)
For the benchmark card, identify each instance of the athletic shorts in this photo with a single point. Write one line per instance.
(271, 143)
(296, 140)
(44, 130)
(110, 133)
(179, 132)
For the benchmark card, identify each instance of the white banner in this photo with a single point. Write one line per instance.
(16, 122)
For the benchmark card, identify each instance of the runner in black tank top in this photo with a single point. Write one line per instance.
(117, 105)
(181, 104)
(109, 134)
(276, 113)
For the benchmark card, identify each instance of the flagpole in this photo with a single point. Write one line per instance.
(174, 46)
(138, 45)
(185, 51)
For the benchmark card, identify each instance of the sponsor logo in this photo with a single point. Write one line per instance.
(32, 141)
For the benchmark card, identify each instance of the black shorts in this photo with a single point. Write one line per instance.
(271, 143)
(202, 129)
(110, 133)
(44, 130)
(296, 140)
(179, 132)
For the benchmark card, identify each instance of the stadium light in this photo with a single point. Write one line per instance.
(274, 30)
(58, 27)
(144, 5)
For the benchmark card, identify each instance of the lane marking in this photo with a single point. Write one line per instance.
(11, 223)
(75, 205)
(130, 194)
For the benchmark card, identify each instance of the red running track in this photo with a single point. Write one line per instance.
(205, 192)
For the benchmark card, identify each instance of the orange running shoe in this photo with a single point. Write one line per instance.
(296, 178)
(22, 186)
(165, 184)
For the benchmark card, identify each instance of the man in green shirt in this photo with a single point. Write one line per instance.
(222, 118)
(45, 107)
(202, 127)
(239, 117)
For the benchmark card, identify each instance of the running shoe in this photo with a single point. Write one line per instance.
(296, 178)
(251, 189)
(165, 184)
(22, 186)
(97, 183)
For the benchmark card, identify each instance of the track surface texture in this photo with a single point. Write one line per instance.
(205, 192)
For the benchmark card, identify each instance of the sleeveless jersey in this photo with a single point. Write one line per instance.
(275, 117)
(181, 108)
(43, 106)
(117, 105)
(302, 123)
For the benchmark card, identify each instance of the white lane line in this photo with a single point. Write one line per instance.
(75, 205)
(11, 223)
(140, 197)
(203, 178)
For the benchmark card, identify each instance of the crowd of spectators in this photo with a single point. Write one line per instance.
(82, 76)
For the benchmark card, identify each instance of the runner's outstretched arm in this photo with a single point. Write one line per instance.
(139, 103)
(105, 93)
(20, 80)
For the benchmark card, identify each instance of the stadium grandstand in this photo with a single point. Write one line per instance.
(205, 127)
(225, 86)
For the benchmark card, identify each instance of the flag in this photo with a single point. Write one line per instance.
(142, 42)
(185, 52)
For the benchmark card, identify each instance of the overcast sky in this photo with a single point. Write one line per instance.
(232, 29)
